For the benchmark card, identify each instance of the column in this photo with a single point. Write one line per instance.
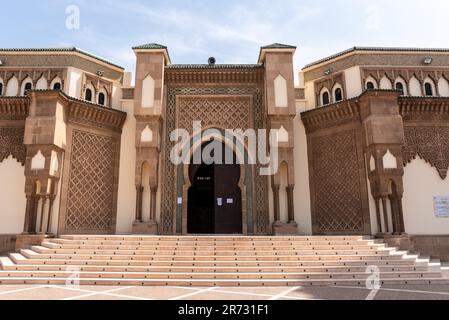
(50, 213)
(29, 214)
(385, 212)
(33, 225)
(153, 204)
(139, 203)
(41, 223)
(290, 203)
(277, 216)
(378, 217)
(399, 225)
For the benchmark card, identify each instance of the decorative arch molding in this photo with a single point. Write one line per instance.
(386, 83)
(429, 143)
(148, 92)
(42, 83)
(371, 79)
(329, 83)
(245, 181)
(12, 87)
(280, 92)
(204, 97)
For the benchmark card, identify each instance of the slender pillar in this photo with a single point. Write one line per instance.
(290, 203)
(41, 223)
(385, 211)
(401, 223)
(277, 215)
(153, 204)
(139, 203)
(33, 225)
(50, 213)
(379, 219)
(28, 214)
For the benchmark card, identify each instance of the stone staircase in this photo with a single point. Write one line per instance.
(215, 261)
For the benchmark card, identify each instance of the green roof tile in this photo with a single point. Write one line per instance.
(380, 49)
(278, 46)
(68, 49)
(150, 46)
(214, 66)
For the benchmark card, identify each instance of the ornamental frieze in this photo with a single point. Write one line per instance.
(430, 144)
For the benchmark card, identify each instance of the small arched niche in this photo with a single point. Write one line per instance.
(280, 92)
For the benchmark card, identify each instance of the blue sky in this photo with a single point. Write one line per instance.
(231, 30)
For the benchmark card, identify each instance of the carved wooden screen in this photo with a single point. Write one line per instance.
(91, 183)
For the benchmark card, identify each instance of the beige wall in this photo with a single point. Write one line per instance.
(127, 189)
(421, 184)
(12, 197)
(353, 82)
(303, 215)
(73, 85)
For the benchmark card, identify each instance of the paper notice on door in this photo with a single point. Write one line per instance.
(230, 201)
(219, 202)
(180, 200)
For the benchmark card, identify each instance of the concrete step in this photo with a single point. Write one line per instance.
(156, 257)
(214, 238)
(164, 247)
(215, 261)
(213, 243)
(211, 276)
(210, 252)
(20, 259)
(209, 269)
(218, 283)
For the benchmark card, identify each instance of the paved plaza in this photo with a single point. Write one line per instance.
(418, 292)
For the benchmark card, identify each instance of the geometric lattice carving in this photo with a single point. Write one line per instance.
(11, 143)
(224, 113)
(261, 216)
(338, 201)
(91, 185)
(430, 144)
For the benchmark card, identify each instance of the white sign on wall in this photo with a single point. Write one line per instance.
(441, 204)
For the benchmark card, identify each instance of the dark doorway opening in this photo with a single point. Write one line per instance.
(215, 198)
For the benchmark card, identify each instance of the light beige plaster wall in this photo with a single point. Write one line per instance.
(127, 189)
(421, 184)
(303, 215)
(353, 82)
(12, 196)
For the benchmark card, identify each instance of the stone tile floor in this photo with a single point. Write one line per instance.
(409, 292)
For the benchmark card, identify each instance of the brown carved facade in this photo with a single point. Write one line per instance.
(11, 143)
(337, 190)
(91, 186)
(426, 131)
(342, 138)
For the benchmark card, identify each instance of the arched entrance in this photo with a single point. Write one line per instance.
(214, 201)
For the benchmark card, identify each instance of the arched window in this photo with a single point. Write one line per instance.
(400, 87)
(28, 87)
(370, 85)
(88, 96)
(428, 89)
(101, 99)
(57, 86)
(338, 95)
(325, 98)
(1, 89)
